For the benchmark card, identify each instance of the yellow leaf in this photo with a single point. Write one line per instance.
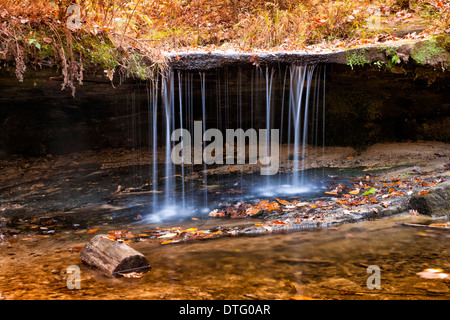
(166, 242)
(356, 191)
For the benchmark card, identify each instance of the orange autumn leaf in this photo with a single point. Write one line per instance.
(273, 206)
(166, 242)
(252, 211)
(92, 230)
(423, 192)
(283, 202)
(265, 205)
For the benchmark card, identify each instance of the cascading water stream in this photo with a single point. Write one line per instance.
(294, 104)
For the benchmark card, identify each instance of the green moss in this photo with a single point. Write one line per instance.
(98, 51)
(357, 58)
(429, 52)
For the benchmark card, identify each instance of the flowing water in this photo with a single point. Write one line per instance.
(329, 263)
(247, 100)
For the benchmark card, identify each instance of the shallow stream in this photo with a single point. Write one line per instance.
(327, 263)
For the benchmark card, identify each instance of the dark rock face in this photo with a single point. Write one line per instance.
(435, 203)
(37, 118)
(366, 106)
(363, 106)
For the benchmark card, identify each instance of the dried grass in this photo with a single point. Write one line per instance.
(144, 28)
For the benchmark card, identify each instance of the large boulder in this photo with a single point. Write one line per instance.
(435, 203)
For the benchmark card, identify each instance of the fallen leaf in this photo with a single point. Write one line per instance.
(370, 191)
(356, 191)
(414, 212)
(92, 230)
(302, 204)
(166, 242)
(216, 213)
(283, 202)
(252, 211)
(423, 192)
(168, 235)
(440, 225)
(143, 235)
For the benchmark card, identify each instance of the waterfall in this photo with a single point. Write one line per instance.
(289, 99)
(205, 173)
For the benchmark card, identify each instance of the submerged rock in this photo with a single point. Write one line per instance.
(435, 287)
(340, 284)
